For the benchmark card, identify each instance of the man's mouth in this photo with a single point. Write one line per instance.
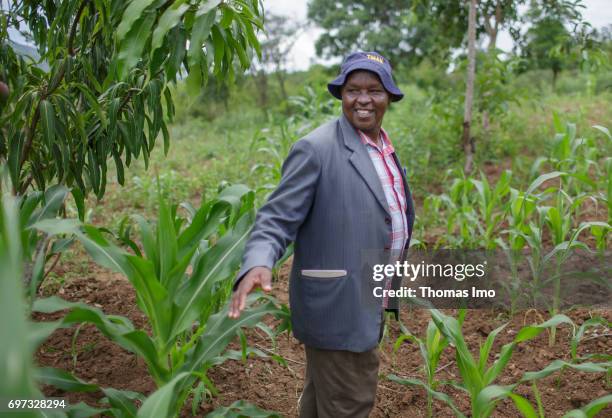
(362, 113)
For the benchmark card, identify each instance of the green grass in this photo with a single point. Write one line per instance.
(425, 130)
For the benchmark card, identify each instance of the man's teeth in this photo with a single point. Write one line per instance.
(364, 112)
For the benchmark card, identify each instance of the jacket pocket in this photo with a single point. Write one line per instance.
(323, 274)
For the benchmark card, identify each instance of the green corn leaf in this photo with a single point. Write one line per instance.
(557, 365)
(16, 368)
(603, 130)
(57, 226)
(166, 242)
(241, 409)
(218, 263)
(152, 296)
(591, 409)
(451, 329)
(541, 179)
(62, 379)
(500, 364)
(162, 402)
(486, 348)
(437, 395)
(54, 198)
(122, 400)
(118, 329)
(82, 410)
(593, 322)
(221, 330)
(530, 332)
(38, 332)
(523, 406)
(148, 240)
(103, 252)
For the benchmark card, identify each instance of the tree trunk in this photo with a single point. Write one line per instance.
(281, 83)
(262, 87)
(468, 142)
(492, 31)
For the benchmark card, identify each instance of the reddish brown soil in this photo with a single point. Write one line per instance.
(272, 386)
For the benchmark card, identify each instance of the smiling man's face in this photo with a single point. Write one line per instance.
(364, 102)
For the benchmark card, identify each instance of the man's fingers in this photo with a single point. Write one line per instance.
(252, 280)
(242, 298)
(233, 311)
(266, 281)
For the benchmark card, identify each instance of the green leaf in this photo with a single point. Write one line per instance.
(530, 332)
(221, 330)
(541, 179)
(557, 365)
(591, 409)
(241, 409)
(218, 263)
(79, 201)
(53, 200)
(132, 47)
(121, 400)
(47, 118)
(61, 379)
(604, 130)
(171, 17)
(437, 395)
(132, 13)
(162, 402)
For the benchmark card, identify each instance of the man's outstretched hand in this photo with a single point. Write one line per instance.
(256, 277)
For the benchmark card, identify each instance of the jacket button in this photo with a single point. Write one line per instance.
(387, 221)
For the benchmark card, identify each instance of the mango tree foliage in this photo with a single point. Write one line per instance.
(100, 90)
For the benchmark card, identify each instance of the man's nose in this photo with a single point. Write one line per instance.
(364, 98)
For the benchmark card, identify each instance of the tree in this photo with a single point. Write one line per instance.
(281, 33)
(542, 40)
(401, 30)
(468, 143)
(110, 63)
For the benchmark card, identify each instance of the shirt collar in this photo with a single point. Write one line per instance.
(387, 146)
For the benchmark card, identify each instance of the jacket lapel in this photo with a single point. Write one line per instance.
(361, 161)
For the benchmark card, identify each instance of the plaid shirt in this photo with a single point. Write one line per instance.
(391, 181)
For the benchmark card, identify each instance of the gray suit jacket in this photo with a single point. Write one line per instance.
(331, 204)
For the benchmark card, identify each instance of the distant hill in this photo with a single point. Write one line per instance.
(30, 52)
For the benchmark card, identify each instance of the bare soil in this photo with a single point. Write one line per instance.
(270, 385)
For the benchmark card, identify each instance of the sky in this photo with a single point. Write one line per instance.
(598, 13)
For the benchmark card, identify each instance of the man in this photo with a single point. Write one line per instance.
(342, 192)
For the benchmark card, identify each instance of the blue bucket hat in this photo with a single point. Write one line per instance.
(370, 61)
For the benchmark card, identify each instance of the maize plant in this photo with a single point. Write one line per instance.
(431, 349)
(477, 377)
(489, 201)
(189, 328)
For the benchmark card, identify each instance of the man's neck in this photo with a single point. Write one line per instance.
(375, 137)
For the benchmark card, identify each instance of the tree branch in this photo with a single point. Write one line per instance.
(74, 27)
(31, 131)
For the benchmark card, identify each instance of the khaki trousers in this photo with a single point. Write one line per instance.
(339, 383)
